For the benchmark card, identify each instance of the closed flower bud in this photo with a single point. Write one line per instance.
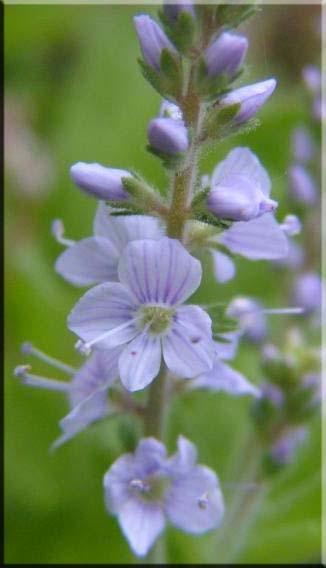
(240, 199)
(168, 135)
(99, 181)
(308, 291)
(152, 40)
(172, 11)
(302, 185)
(225, 54)
(251, 98)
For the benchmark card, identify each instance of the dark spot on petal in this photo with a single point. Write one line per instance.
(133, 352)
(195, 339)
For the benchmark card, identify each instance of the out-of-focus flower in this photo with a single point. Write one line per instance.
(144, 313)
(308, 291)
(240, 187)
(100, 181)
(251, 98)
(251, 318)
(95, 259)
(172, 11)
(284, 449)
(291, 225)
(303, 148)
(225, 54)
(302, 185)
(152, 40)
(312, 78)
(146, 489)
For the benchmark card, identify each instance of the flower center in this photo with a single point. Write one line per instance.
(156, 318)
(151, 488)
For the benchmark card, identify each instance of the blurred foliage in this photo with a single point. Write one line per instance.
(74, 67)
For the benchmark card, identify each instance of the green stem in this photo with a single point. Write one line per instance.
(154, 412)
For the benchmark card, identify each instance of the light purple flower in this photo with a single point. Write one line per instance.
(168, 135)
(95, 259)
(294, 257)
(170, 110)
(308, 291)
(172, 11)
(87, 391)
(251, 98)
(291, 225)
(302, 185)
(251, 318)
(303, 148)
(144, 313)
(240, 187)
(272, 393)
(225, 54)
(146, 489)
(100, 181)
(312, 78)
(283, 450)
(318, 108)
(152, 40)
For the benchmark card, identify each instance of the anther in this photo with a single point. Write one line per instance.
(139, 485)
(203, 501)
(21, 371)
(83, 347)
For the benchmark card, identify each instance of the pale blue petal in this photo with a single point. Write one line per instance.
(184, 459)
(188, 349)
(223, 378)
(100, 370)
(140, 362)
(103, 309)
(224, 267)
(141, 523)
(90, 261)
(117, 482)
(227, 349)
(150, 455)
(261, 238)
(194, 502)
(242, 161)
(159, 271)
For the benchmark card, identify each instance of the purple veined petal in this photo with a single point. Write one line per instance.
(228, 349)
(159, 271)
(100, 370)
(224, 267)
(184, 459)
(107, 307)
(92, 408)
(100, 181)
(90, 261)
(223, 378)
(188, 349)
(121, 230)
(140, 362)
(243, 162)
(258, 239)
(194, 502)
(141, 522)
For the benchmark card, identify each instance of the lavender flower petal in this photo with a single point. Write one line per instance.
(90, 261)
(100, 181)
(140, 362)
(224, 267)
(159, 271)
(188, 349)
(194, 502)
(251, 98)
(227, 349)
(243, 162)
(141, 523)
(260, 238)
(223, 378)
(308, 291)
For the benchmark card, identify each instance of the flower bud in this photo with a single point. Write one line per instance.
(302, 185)
(152, 40)
(291, 225)
(302, 145)
(225, 54)
(172, 11)
(168, 135)
(99, 181)
(251, 98)
(170, 110)
(239, 198)
(312, 78)
(308, 291)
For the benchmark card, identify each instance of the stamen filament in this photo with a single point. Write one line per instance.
(58, 230)
(37, 381)
(281, 311)
(85, 347)
(28, 349)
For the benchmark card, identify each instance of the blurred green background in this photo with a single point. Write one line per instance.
(74, 92)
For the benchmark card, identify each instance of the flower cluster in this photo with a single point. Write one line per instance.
(134, 324)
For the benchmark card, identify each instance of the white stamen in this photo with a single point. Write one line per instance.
(139, 485)
(28, 349)
(85, 346)
(203, 501)
(22, 372)
(58, 230)
(281, 311)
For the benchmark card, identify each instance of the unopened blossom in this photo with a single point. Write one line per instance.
(303, 148)
(147, 489)
(144, 312)
(100, 181)
(291, 225)
(240, 187)
(308, 291)
(172, 11)
(222, 377)
(152, 40)
(168, 135)
(284, 449)
(251, 318)
(95, 259)
(225, 54)
(87, 390)
(302, 185)
(312, 78)
(170, 110)
(251, 98)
